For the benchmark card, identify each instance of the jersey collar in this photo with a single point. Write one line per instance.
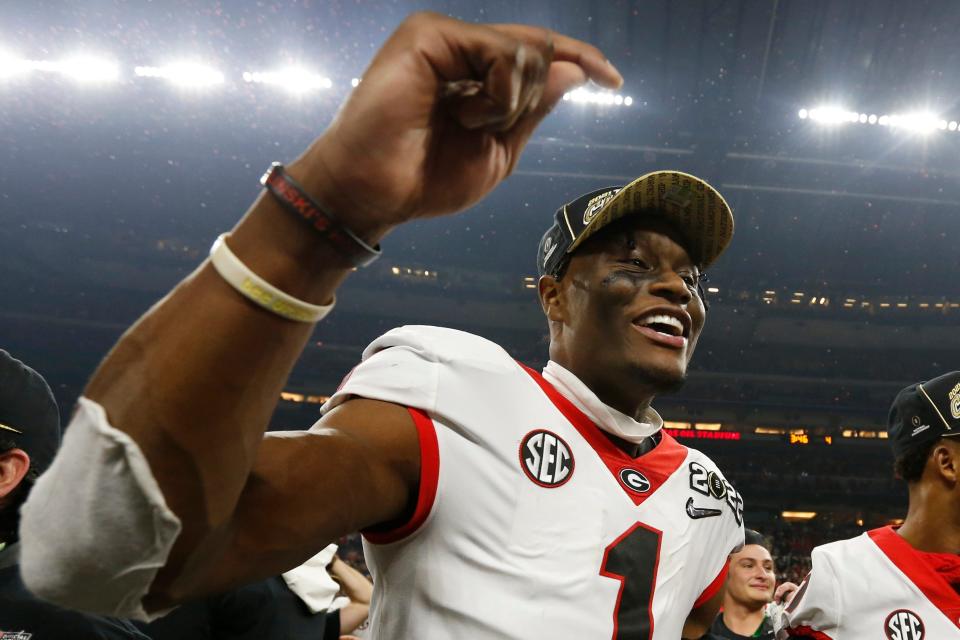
(656, 465)
(604, 416)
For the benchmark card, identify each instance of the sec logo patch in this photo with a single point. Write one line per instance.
(546, 458)
(904, 624)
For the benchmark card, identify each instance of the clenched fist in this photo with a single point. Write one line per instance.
(441, 117)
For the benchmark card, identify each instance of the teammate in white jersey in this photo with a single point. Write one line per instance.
(898, 583)
(499, 502)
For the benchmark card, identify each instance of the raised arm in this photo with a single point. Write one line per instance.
(440, 118)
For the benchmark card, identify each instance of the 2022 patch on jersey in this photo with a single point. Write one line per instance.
(530, 523)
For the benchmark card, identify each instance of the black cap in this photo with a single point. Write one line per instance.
(925, 412)
(28, 412)
(695, 208)
(752, 536)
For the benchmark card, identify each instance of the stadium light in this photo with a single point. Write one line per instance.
(88, 69)
(832, 115)
(184, 74)
(11, 65)
(794, 516)
(708, 426)
(922, 122)
(919, 122)
(354, 82)
(293, 79)
(605, 98)
(82, 68)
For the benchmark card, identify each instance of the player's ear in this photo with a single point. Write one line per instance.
(551, 295)
(14, 465)
(946, 459)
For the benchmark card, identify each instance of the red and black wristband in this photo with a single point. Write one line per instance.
(294, 199)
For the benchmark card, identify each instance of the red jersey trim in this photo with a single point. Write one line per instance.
(429, 477)
(807, 632)
(657, 465)
(714, 586)
(937, 590)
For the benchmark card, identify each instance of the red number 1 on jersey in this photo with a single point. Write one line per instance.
(633, 559)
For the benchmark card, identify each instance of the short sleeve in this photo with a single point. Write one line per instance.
(814, 611)
(400, 367)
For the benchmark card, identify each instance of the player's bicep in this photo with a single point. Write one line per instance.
(358, 467)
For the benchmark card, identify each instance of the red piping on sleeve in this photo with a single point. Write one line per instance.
(713, 587)
(429, 476)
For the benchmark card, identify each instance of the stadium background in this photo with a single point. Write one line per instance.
(840, 286)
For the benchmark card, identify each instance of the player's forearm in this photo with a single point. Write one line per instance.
(195, 381)
(701, 619)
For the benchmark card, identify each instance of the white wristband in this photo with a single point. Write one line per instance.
(251, 286)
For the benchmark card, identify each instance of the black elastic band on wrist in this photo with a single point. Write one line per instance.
(294, 199)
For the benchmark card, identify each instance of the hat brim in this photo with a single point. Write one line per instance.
(694, 207)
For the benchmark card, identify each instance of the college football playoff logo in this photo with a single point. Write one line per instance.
(904, 624)
(546, 458)
(716, 486)
(954, 397)
(549, 246)
(595, 204)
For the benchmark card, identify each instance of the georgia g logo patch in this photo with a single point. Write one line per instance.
(904, 624)
(634, 480)
(546, 458)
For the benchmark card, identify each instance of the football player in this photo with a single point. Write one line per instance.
(898, 583)
(494, 499)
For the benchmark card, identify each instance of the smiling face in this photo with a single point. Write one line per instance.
(626, 315)
(751, 580)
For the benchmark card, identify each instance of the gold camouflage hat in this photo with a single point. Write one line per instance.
(690, 204)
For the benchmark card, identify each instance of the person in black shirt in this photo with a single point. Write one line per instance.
(747, 592)
(29, 438)
(265, 610)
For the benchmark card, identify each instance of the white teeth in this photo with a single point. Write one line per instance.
(670, 321)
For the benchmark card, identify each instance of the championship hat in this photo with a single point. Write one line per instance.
(925, 412)
(29, 416)
(696, 209)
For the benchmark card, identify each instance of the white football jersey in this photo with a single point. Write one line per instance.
(530, 523)
(872, 586)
